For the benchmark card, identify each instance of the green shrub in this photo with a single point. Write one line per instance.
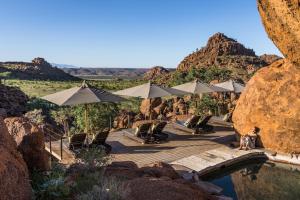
(206, 105)
(99, 115)
(108, 189)
(50, 186)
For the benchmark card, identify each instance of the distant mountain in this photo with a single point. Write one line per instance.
(63, 65)
(126, 73)
(38, 69)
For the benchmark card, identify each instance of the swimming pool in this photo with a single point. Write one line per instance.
(259, 180)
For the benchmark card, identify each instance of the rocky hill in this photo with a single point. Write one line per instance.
(155, 72)
(225, 52)
(38, 69)
(99, 73)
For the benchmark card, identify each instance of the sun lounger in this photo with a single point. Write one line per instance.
(157, 131)
(77, 141)
(140, 133)
(189, 123)
(196, 123)
(100, 140)
(202, 124)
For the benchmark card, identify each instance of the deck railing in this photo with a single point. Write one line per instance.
(54, 135)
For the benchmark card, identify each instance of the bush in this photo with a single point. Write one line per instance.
(108, 189)
(93, 157)
(50, 186)
(206, 105)
(99, 116)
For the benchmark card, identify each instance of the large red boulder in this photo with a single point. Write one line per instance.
(271, 99)
(14, 178)
(30, 142)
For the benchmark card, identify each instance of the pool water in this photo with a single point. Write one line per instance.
(259, 180)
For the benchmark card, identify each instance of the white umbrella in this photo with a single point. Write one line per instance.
(148, 91)
(82, 95)
(196, 87)
(231, 86)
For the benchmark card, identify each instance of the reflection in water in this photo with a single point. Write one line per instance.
(259, 181)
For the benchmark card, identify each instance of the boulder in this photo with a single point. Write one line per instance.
(179, 106)
(270, 100)
(148, 104)
(14, 181)
(30, 142)
(123, 119)
(160, 169)
(158, 188)
(12, 101)
(281, 20)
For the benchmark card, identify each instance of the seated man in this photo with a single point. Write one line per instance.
(248, 141)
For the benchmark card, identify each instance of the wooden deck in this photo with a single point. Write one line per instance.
(67, 156)
(181, 144)
(211, 160)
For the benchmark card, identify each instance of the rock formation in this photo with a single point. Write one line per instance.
(12, 101)
(14, 181)
(139, 183)
(38, 69)
(269, 58)
(30, 142)
(155, 72)
(281, 20)
(222, 51)
(270, 100)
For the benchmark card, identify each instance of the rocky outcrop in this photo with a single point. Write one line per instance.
(12, 101)
(38, 69)
(157, 181)
(124, 119)
(269, 58)
(270, 100)
(281, 20)
(148, 105)
(222, 51)
(155, 72)
(30, 142)
(14, 181)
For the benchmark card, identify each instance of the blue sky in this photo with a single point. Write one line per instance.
(124, 33)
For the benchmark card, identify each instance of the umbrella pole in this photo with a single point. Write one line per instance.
(86, 118)
(150, 110)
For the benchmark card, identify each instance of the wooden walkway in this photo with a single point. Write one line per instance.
(211, 160)
(181, 144)
(65, 156)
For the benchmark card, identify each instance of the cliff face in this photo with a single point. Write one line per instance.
(38, 69)
(281, 20)
(222, 51)
(14, 181)
(270, 100)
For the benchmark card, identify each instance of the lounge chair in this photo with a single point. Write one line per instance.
(77, 141)
(157, 131)
(202, 124)
(100, 140)
(140, 133)
(189, 123)
(142, 130)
